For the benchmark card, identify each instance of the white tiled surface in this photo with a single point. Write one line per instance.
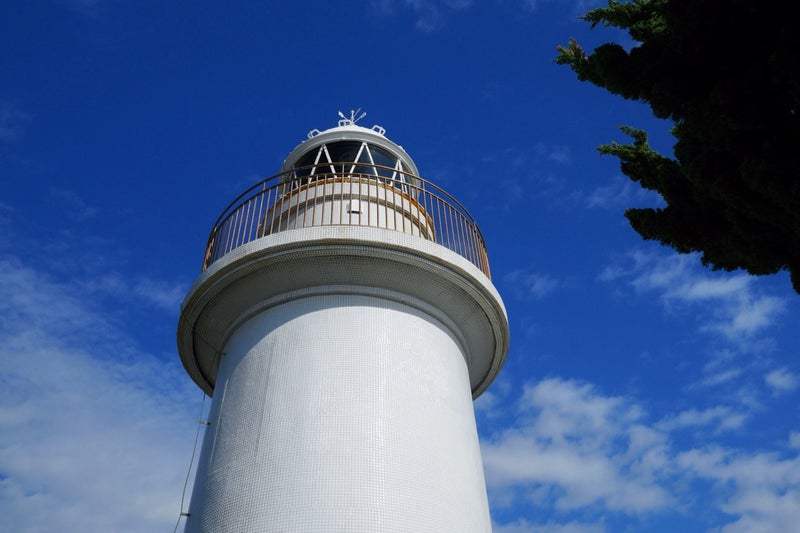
(341, 413)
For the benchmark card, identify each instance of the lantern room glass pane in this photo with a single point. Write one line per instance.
(305, 161)
(385, 159)
(338, 154)
(344, 151)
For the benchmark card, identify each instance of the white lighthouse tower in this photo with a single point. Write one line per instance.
(343, 323)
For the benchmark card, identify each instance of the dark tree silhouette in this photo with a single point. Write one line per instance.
(727, 72)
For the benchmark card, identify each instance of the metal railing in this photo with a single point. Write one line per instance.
(346, 194)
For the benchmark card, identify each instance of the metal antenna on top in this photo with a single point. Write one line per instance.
(355, 116)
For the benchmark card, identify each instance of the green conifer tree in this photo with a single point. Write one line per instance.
(727, 72)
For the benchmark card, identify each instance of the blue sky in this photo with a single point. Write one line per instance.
(642, 392)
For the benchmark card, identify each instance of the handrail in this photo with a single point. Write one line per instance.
(375, 196)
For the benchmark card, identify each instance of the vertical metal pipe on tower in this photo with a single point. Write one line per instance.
(343, 323)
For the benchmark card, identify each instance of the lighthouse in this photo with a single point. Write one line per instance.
(343, 323)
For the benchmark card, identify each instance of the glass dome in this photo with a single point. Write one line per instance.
(350, 150)
(351, 157)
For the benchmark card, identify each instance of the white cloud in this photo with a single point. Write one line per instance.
(72, 204)
(762, 490)
(430, 14)
(487, 402)
(590, 448)
(720, 417)
(708, 289)
(727, 304)
(719, 377)
(576, 451)
(158, 293)
(580, 7)
(12, 120)
(553, 152)
(524, 526)
(747, 315)
(532, 284)
(782, 380)
(490, 403)
(621, 192)
(94, 434)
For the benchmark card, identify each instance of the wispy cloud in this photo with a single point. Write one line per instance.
(620, 193)
(165, 295)
(530, 284)
(726, 304)
(719, 418)
(524, 526)
(85, 412)
(71, 203)
(12, 121)
(747, 315)
(530, 171)
(579, 7)
(761, 490)
(489, 404)
(150, 292)
(553, 152)
(430, 14)
(733, 313)
(782, 380)
(592, 448)
(573, 449)
(718, 376)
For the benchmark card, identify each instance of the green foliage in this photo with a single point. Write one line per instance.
(727, 73)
